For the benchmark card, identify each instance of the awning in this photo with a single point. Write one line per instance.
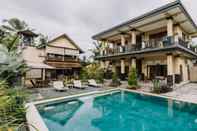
(64, 65)
(38, 65)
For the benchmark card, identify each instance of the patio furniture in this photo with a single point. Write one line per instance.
(59, 86)
(93, 83)
(78, 84)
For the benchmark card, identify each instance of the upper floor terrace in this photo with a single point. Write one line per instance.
(165, 28)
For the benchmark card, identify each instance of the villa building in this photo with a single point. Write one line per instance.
(55, 60)
(158, 44)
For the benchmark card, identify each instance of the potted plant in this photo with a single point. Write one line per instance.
(132, 79)
(115, 81)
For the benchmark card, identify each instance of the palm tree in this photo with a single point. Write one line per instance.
(12, 27)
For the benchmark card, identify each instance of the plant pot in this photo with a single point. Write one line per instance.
(133, 87)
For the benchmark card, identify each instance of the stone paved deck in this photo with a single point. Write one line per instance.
(186, 92)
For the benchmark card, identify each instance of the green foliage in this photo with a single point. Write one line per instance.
(83, 74)
(12, 109)
(115, 81)
(132, 79)
(14, 65)
(92, 71)
(156, 86)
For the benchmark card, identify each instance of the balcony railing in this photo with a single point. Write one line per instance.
(148, 45)
(62, 59)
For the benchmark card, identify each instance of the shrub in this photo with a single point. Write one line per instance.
(132, 80)
(12, 109)
(115, 82)
(156, 86)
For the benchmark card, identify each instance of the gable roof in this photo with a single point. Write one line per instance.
(69, 39)
(155, 12)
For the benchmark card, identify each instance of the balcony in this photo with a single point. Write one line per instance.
(151, 45)
(61, 59)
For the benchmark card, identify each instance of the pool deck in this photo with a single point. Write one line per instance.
(186, 92)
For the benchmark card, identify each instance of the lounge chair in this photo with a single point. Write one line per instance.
(59, 86)
(77, 84)
(93, 83)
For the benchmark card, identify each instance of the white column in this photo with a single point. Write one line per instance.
(179, 33)
(122, 40)
(170, 27)
(133, 38)
(122, 66)
(113, 67)
(133, 62)
(43, 74)
(107, 64)
(170, 64)
(102, 64)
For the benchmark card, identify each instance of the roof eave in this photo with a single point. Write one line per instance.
(168, 6)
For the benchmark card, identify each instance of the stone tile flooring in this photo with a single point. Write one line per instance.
(186, 92)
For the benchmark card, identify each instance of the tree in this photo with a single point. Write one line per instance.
(14, 65)
(12, 27)
(132, 80)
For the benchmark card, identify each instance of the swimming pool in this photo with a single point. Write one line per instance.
(119, 111)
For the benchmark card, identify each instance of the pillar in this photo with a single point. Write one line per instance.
(133, 38)
(122, 42)
(170, 64)
(107, 64)
(179, 33)
(170, 27)
(113, 67)
(102, 64)
(43, 74)
(170, 70)
(122, 63)
(133, 62)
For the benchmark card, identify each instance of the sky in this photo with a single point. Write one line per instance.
(80, 19)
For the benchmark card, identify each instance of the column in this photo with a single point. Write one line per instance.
(107, 64)
(122, 63)
(170, 71)
(43, 74)
(169, 26)
(170, 64)
(178, 33)
(113, 67)
(133, 62)
(133, 38)
(122, 42)
(102, 64)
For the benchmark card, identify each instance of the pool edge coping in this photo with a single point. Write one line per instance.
(41, 124)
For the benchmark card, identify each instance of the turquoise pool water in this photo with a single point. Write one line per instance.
(120, 111)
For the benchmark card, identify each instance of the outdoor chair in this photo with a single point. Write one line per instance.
(78, 84)
(93, 83)
(59, 86)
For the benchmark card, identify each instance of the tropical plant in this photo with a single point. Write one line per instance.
(12, 109)
(14, 66)
(132, 79)
(156, 86)
(115, 81)
(83, 74)
(12, 27)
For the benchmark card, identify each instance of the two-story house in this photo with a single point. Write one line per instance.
(55, 60)
(157, 44)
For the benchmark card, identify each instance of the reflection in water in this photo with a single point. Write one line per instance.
(122, 111)
(170, 108)
(62, 112)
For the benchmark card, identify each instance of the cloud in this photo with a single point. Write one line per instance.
(80, 19)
